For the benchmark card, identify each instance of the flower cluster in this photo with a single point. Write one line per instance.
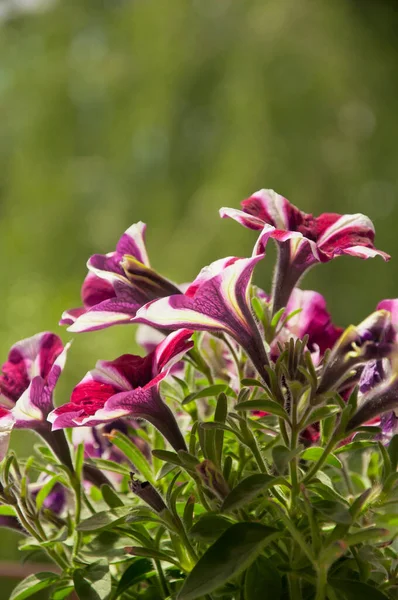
(291, 386)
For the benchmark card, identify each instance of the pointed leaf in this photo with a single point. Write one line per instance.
(263, 580)
(134, 455)
(32, 584)
(231, 554)
(249, 488)
(269, 406)
(282, 456)
(104, 519)
(136, 572)
(209, 527)
(93, 582)
(315, 452)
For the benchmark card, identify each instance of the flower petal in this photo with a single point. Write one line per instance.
(133, 242)
(107, 313)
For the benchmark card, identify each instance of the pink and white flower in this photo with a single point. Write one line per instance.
(303, 239)
(27, 384)
(117, 285)
(127, 387)
(217, 301)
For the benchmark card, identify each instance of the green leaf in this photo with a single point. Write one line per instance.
(263, 580)
(269, 406)
(231, 554)
(7, 511)
(211, 390)
(393, 452)
(333, 511)
(110, 496)
(369, 535)
(249, 488)
(93, 582)
(152, 553)
(209, 527)
(220, 415)
(136, 572)
(134, 455)
(108, 465)
(62, 591)
(32, 584)
(282, 456)
(104, 519)
(355, 446)
(79, 459)
(167, 456)
(249, 382)
(45, 490)
(315, 453)
(353, 590)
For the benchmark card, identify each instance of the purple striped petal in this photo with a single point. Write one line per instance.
(313, 320)
(133, 242)
(219, 303)
(107, 313)
(7, 422)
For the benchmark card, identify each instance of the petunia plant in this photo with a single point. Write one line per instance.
(250, 451)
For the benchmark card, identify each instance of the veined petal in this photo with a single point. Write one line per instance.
(32, 407)
(313, 319)
(148, 337)
(70, 316)
(172, 349)
(249, 221)
(145, 404)
(133, 242)
(272, 208)
(107, 313)
(7, 423)
(220, 303)
(148, 282)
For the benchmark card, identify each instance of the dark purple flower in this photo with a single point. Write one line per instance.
(127, 387)
(117, 285)
(27, 384)
(217, 301)
(303, 240)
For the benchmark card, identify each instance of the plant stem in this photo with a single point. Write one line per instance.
(293, 462)
(321, 584)
(162, 579)
(294, 587)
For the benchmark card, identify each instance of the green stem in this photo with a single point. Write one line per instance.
(77, 488)
(293, 462)
(321, 584)
(162, 579)
(283, 430)
(294, 587)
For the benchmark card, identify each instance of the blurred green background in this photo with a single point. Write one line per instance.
(114, 111)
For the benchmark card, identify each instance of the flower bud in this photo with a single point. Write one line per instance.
(147, 493)
(212, 479)
(373, 339)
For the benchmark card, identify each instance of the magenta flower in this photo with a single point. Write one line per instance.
(127, 387)
(303, 240)
(313, 320)
(117, 285)
(217, 301)
(27, 384)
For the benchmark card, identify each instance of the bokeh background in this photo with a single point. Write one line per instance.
(114, 111)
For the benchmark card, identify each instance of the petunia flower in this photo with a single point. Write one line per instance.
(127, 387)
(217, 301)
(27, 384)
(117, 285)
(313, 320)
(371, 340)
(303, 240)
